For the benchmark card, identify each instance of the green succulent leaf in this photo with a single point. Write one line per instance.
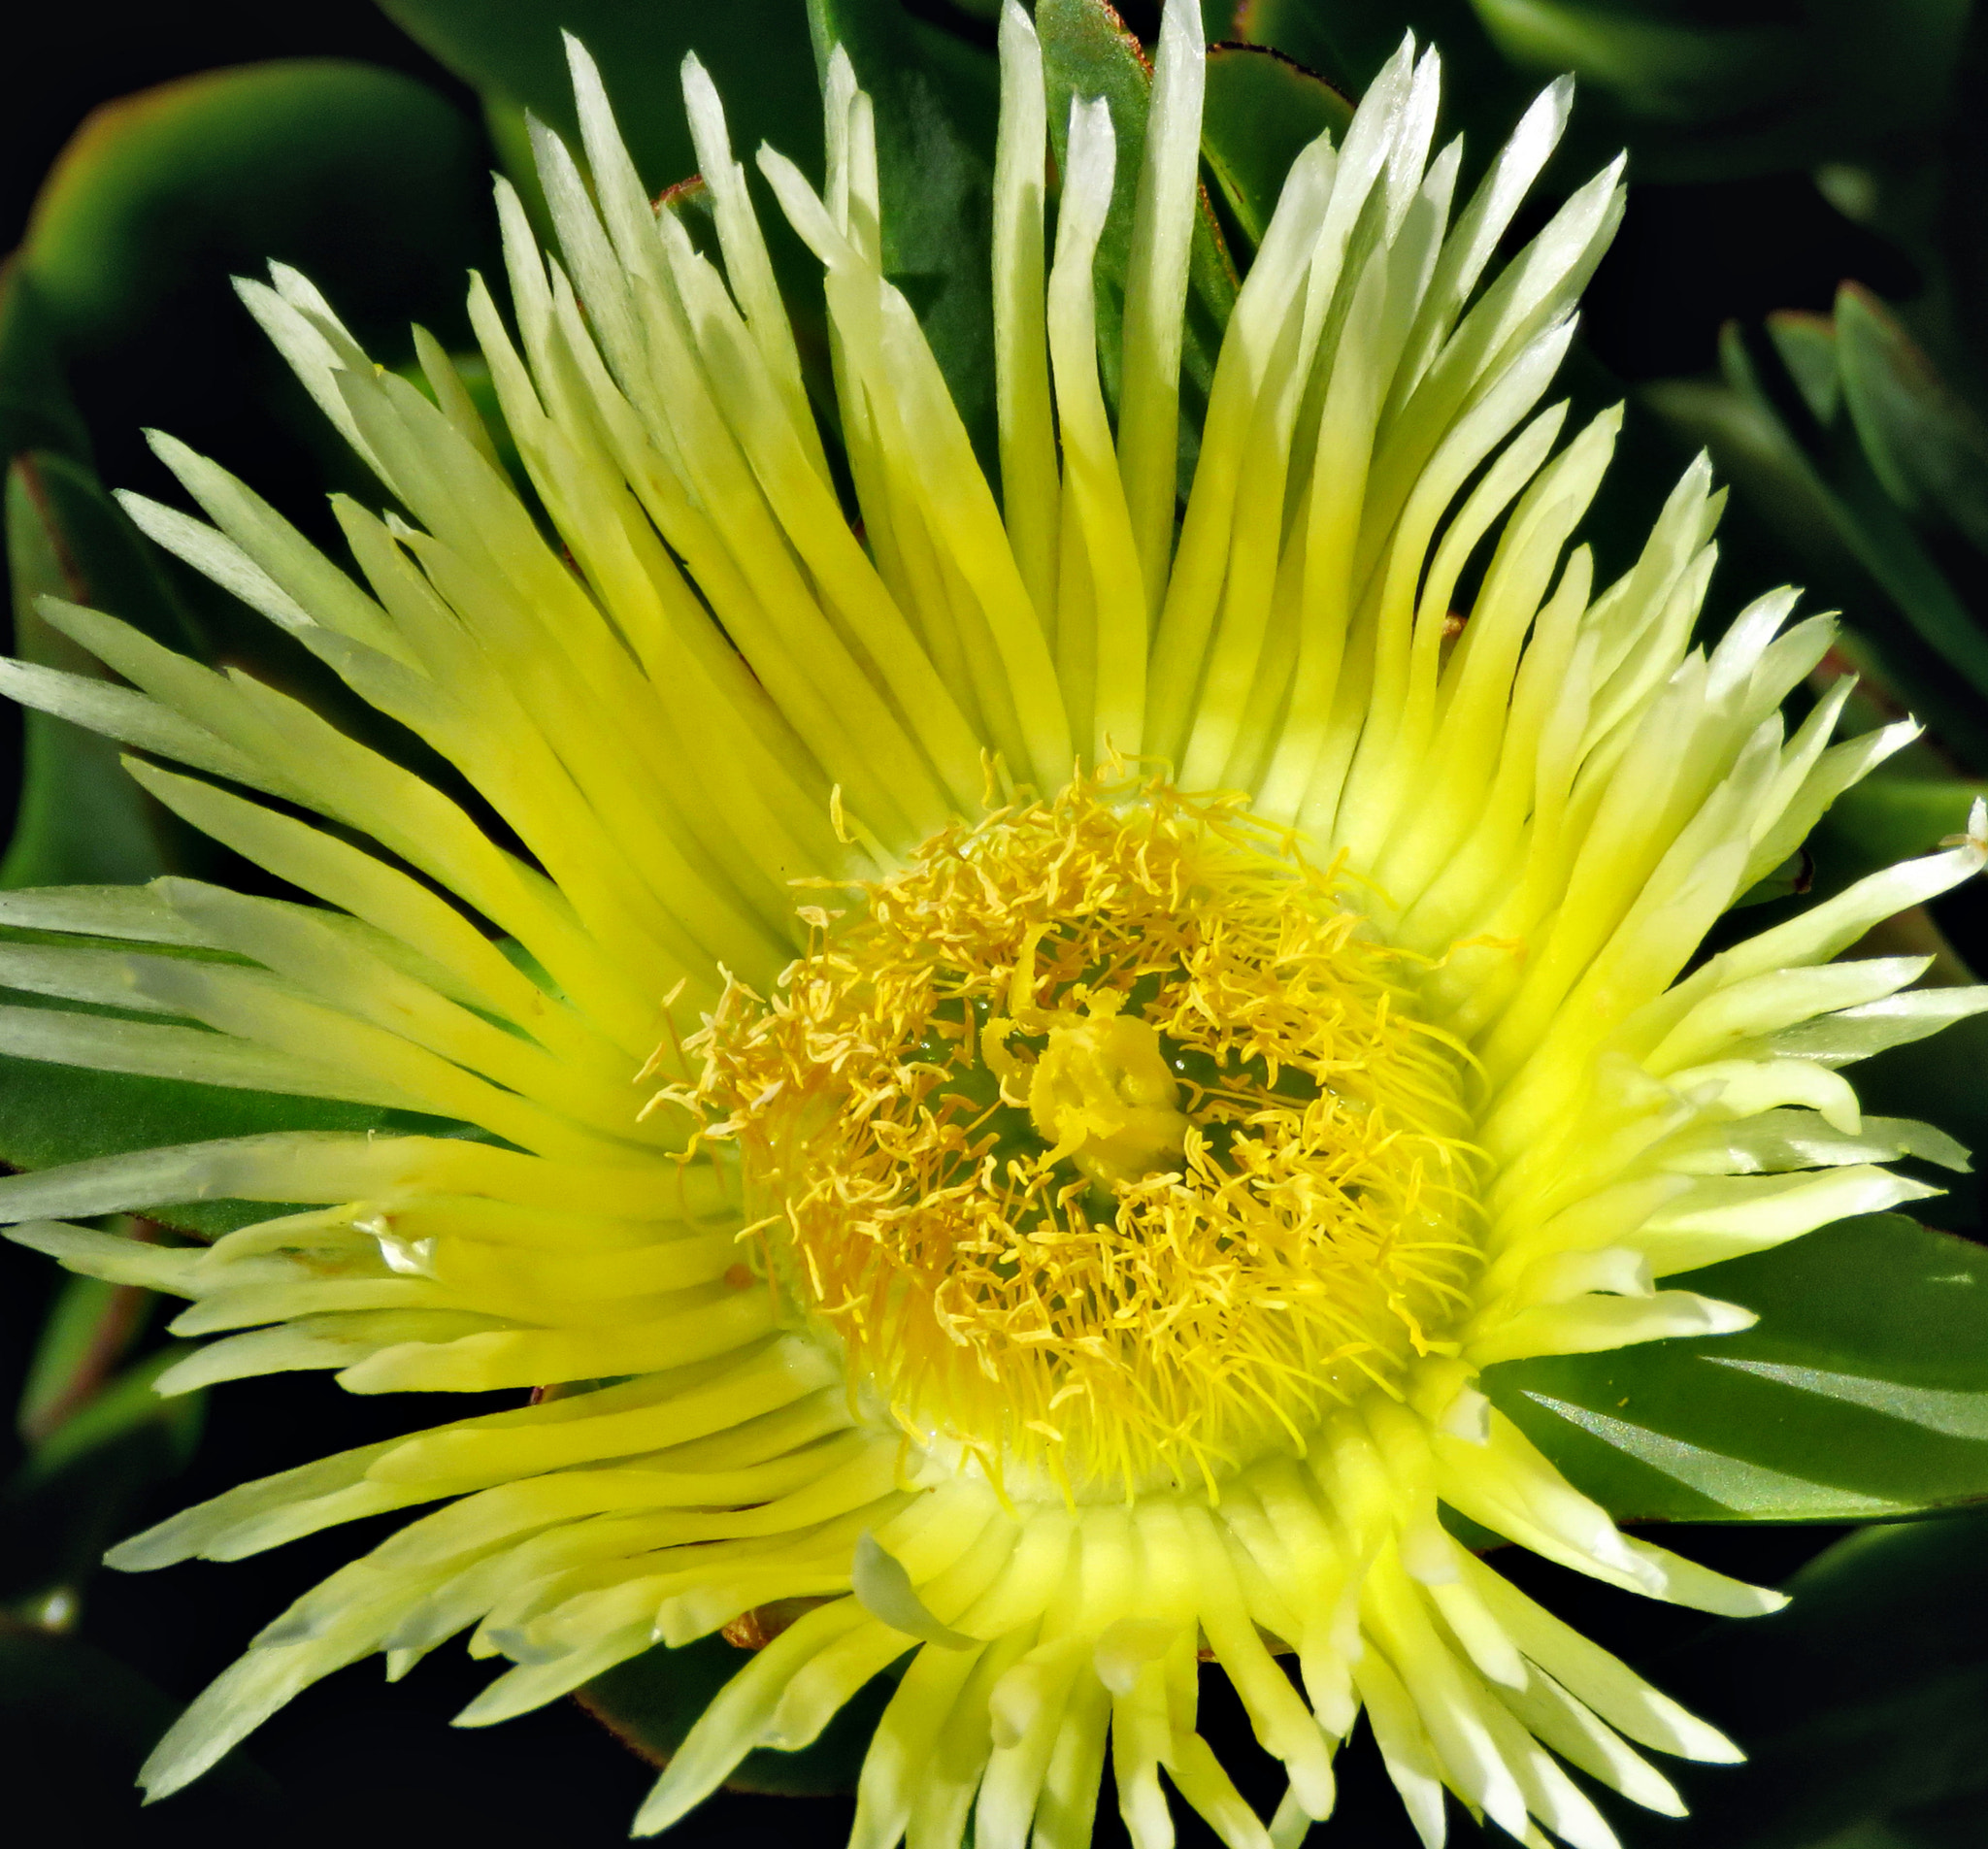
(1087, 53)
(81, 820)
(1893, 818)
(935, 164)
(36, 409)
(335, 166)
(1863, 1704)
(1782, 429)
(1927, 449)
(757, 52)
(1261, 109)
(1862, 1393)
(650, 1702)
(1938, 1081)
(87, 1330)
(1347, 41)
(1698, 92)
(83, 1483)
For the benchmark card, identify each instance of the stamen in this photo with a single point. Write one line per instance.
(1106, 1136)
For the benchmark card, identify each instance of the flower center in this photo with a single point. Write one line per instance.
(1105, 1139)
(1101, 1093)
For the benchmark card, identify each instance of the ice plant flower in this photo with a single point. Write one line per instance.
(1022, 1056)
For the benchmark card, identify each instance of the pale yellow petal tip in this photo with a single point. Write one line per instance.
(1705, 1743)
(1976, 837)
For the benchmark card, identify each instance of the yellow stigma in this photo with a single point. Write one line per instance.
(1101, 1093)
(1105, 1139)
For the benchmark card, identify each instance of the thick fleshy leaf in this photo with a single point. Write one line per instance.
(362, 176)
(50, 1114)
(757, 52)
(1863, 1704)
(1088, 52)
(935, 167)
(1261, 109)
(1778, 428)
(1868, 488)
(1939, 1080)
(1698, 93)
(1889, 818)
(36, 410)
(88, 1329)
(81, 820)
(1928, 449)
(1861, 1393)
(650, 1702)
(1349, 41)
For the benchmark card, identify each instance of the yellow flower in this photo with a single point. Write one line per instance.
(1023, 1061)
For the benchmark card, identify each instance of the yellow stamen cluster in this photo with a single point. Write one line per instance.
(1106, 1139)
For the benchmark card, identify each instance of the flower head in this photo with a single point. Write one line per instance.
(1019, 1055)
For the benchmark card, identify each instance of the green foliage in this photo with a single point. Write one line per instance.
(935, 166)
(1087, 53)
(1863, 1704)
(81, 820)
(1861, 1393)
(241, 166)
(756, 50)
(1260, 111)
(1697, 94)
(361, 177)
(1867, 467)
(85, 1479)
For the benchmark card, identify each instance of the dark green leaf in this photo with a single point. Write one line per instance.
(1892, 819)
(1862, 1393)
(50, 1114)
(1864, 1706)
(161, 189)
(1829, 368)
(88, 1332)
(1261, 109)
(650, 1702)
(81, 820)
(36, 410)
(757, 52)
(1806, 344)
(1347, 41)
(934, 160)
(1939, 1080)
(1087, 53)
(1927, 449)
(1698, 92)
(1815, 490)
